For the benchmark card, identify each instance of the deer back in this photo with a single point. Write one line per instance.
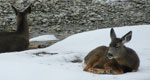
(97, 57)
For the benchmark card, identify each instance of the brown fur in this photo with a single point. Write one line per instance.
(97, 60)
(18, 40)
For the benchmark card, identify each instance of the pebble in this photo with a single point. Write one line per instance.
(61, 16)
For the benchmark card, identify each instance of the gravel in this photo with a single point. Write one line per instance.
(66, 17)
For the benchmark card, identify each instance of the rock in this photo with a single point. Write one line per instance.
(67, 17)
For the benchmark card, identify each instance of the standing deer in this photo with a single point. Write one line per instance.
(18, 40)
(115, 59)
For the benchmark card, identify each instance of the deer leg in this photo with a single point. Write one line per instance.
(113, 67)
(87, 67)
(91, 68)
(134, 70)
(90, 64)
(33, 47)
(116, 70)
(96, 70)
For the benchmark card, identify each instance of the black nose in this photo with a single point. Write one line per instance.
(110, 55)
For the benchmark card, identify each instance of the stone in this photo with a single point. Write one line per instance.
(74, 16)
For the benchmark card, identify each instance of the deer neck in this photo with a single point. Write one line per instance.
(22, 27)
(123, 56)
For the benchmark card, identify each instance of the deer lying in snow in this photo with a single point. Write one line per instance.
(115, 59)
(18, 40)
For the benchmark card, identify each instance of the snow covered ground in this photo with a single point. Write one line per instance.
(44, 38)
(25, 65)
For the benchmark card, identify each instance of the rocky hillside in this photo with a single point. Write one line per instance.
(66, 17)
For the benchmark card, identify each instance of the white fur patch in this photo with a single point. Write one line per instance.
(83, 64)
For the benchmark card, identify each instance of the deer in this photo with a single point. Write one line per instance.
(19, 39)
(114, 59)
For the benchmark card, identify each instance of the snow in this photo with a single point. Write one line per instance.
(44, 38)
(25, 65)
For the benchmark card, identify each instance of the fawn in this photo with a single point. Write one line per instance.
(18, 40)
(115, 59)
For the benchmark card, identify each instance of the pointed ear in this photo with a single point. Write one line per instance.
(28, 9)
(15, 10)
(112, 34)
(127, 37)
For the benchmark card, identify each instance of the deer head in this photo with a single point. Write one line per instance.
(21, 17)
(116, 47)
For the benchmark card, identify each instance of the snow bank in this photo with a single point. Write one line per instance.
(44, 38)
(26, 65)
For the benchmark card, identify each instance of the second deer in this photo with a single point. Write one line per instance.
(115, 59)
(18, 40)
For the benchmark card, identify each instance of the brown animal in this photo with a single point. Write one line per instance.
(115, 59)
(18, 40)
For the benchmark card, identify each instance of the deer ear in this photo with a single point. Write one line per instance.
(28, 9)
(127, 37)
(112, 34)
(16, 11)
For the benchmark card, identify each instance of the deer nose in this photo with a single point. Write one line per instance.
(109, 55)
